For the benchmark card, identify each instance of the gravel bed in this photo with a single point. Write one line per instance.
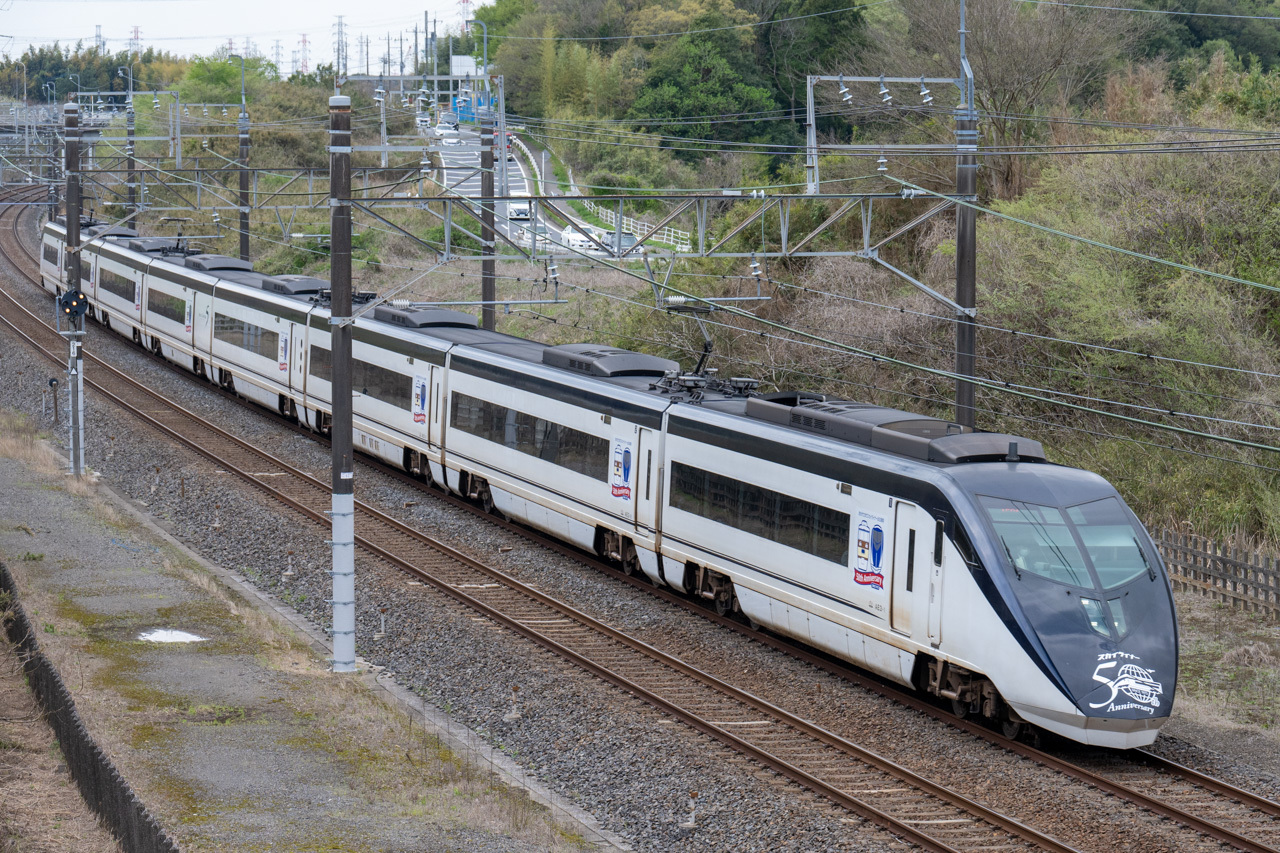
(612, 754)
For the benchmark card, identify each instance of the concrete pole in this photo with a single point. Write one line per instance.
(488, 288)
(129, 121)
(243, 126)
(75, 359)
(504, 182)
(811, 180)
(382, 120)
(966, 264)
(340, 435)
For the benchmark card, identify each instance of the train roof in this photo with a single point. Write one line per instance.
(904, 434)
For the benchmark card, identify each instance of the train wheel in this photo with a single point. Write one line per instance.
(630, 559)
(1011, 726)
(960, 708)
(723, 602)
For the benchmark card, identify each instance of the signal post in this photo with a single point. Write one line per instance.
(71, 306)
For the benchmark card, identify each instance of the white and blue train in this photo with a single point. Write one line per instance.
(960, 563)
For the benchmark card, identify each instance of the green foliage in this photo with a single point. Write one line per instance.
(1224, 21)
(692, 78)
(216, 79)
(100, 72)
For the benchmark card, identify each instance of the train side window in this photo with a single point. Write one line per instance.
(911, 558)
(648, 470)
(940, 528)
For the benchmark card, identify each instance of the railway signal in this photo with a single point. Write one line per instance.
(73, 304)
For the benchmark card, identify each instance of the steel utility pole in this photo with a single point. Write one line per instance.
(966, 268)
(966, 239)
(504, 183)
(74, 335)
(488, 289)
(130, 164)
(242, 125)
(340, 428)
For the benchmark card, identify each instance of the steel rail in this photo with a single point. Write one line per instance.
(1218, 787)
(319, 491)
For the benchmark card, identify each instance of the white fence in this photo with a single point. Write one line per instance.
(673, 237)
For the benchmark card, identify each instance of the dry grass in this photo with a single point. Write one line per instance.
(1229, 672)
(41, 810)
(22, 442)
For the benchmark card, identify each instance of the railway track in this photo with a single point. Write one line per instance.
(875, 788)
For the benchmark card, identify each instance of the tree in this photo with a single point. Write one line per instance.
(692, 82)
(1026, 58)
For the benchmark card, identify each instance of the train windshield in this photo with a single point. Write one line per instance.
(1091, 545)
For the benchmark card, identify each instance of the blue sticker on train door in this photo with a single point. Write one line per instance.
(868, 567)
(620, 469)
(420, 399)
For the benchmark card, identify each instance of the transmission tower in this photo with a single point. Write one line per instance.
(277, 56)
(340, 48)
(135, 43)
(302, 54)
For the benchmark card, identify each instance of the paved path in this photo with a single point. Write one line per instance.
(242, 740)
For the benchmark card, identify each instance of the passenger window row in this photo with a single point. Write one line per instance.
(372, 380)
(549, 441)
(246, 336)
(796, 523)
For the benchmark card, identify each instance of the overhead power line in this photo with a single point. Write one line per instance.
(1153, 11)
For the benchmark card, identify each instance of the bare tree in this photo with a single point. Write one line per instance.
(1028, 59)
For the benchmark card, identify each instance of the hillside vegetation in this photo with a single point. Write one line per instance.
(1148, 136)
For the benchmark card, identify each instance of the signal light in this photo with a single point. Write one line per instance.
(73, 303)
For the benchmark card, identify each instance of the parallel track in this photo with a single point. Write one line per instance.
(889, 795)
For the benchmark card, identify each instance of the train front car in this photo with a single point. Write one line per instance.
(1084, 588)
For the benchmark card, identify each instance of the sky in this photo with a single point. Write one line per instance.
(190, 27)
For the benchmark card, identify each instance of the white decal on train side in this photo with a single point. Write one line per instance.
(868, 566)
(420, 392)
(620, 475)
(137, 296)
(284, 351)
(189, 315)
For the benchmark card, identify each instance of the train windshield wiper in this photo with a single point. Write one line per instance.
(1017, 571)
(1151, 572)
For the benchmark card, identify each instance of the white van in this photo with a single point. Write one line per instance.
(520, 208)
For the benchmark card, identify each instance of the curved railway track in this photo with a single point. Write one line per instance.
(875, 788)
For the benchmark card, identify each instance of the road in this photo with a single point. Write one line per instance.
(461, 174)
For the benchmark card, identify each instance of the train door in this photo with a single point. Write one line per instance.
(906, 546)
(424, 383)
(935, 582)
(297, 360)
(647, 462)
